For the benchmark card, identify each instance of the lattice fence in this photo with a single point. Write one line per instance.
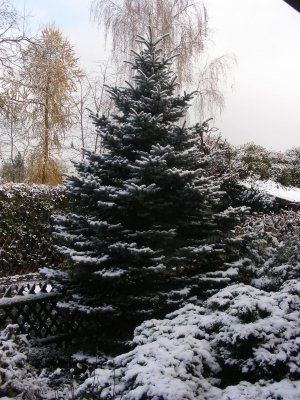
(33, 307)
(30, 278)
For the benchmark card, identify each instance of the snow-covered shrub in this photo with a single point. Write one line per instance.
(255, 334)
(172, 360)
(260, 163)
(262, 390)
(282, 170)
(256, 161)
(273, 253)
(16, 376)
(293, 158)
(25, 228)
(241, 333)
(254, 197)
(33, 373)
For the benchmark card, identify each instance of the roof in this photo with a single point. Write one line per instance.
(275, 189)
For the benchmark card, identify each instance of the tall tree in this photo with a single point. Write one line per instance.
(91, 94)
(186, 22)
(50, 74)
(12, 124)
(12, 38)
(13, 170)
(14, 140)
(144, 211)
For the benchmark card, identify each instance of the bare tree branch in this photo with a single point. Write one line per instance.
(186, 22)
(12, 33)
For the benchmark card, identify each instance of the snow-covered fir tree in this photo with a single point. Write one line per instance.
(148, 223)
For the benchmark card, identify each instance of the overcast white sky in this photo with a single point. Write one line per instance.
(264, 35)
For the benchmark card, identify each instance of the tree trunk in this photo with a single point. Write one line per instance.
(46, 137)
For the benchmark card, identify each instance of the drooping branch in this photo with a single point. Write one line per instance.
(186, 22)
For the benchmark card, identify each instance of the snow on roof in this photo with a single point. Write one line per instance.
(275, 189)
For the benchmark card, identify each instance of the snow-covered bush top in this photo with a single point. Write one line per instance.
(13, 356)
(260, 163)
(257, 332)
(262, 390)
(11, 193)
(241, 333)
(273, 252)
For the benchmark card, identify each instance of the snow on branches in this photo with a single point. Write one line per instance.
(241, 333)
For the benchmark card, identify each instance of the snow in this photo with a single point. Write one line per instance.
(239, 334)
(170, 367)
(182, 356)
(28, 298)
(274, 189)
(50, 273)
(107, 274)
(285, 389)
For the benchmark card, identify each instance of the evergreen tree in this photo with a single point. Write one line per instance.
(148, 222)
(14, 170)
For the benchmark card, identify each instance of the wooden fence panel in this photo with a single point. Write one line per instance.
(33, 307)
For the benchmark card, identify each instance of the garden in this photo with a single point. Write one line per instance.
(172, 281)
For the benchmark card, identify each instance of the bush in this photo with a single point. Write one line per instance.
(33, 373)
(273, 252)
(241, 333)
(25, 227)
(253, 197)
(13, 365)
(256, 161)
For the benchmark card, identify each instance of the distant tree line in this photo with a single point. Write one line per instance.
(261, 164)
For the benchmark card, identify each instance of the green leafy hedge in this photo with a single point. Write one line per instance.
(26, 242)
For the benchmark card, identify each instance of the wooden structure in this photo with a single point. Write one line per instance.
(33, 307)
(283, 197)
(285, 204)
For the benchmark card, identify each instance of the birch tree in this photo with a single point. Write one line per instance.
(186, 23)
(12, 38)
(14, 140)
(92, 95)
